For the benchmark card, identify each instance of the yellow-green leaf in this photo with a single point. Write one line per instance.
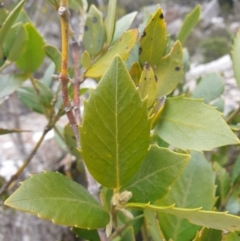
(135, 73)
(153, 40)
(169, 71)
(86, 60)
(147, 84)
(121, 47)
(209, 219)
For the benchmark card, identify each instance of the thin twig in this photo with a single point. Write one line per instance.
(76, 83)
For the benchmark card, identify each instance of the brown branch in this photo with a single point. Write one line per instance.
(76, 83)
(63, 12)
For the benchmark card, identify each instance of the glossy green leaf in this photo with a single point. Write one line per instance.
(195, 187)
(189, 23)
(34, 54)
(110, 21)
(54, 54)
(153, 40)
(236, 58)
(233, 202)
(169, 71)
(135, 73)
(94, 32)
(16, 42)
(8, 131)
(9, 21)
(158, 172)
(122, 47)
(209, 234)
(210, 88)
(115, 130)
(71, 141)
(152, 225)
(123, 24)
(60, 200)
(90, 235)
(10, 83)
(86, 60)
(190, 124)
(147, 85)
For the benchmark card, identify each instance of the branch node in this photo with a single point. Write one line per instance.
(62, 10)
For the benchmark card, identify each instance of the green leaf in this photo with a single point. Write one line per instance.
(190, 124)
(9, 21)
(169, 71)
(189, 23)
(152, 225)
(54, 54)
(236, 171)
(48, 75)
(27, 96)
(16, 42)
(122, 47)
(209, 234)
(90, 235)
(147, 85)
(3, 15)
(110, 20)
(94, 32)
(135, 73)
(34, 54)
(8, 131)
(210, 87)
(158, 172)
(60, 200)
(10, 83)
(236, 58)
(115, 130)
(128, 234)
(38, 98)
(71, 141)
(231, 237)
(123, 24)
(223, 183)
(86, 60)
(153, 40)
(195, 187)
